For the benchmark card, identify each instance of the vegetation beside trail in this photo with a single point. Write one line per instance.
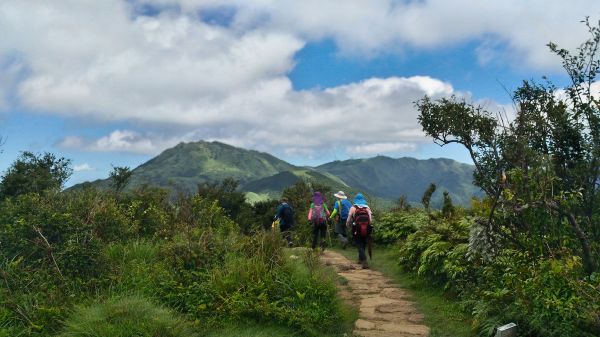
(89, 260)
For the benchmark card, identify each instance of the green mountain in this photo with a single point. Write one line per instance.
(389, 178)
(188, 164)
(263, 176)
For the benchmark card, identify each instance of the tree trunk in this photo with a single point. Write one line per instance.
(588, 260)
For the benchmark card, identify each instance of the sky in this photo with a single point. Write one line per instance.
(115, 82)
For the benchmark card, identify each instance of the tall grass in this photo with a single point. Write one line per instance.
(123, 317)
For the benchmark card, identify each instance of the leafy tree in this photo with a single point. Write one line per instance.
(402, 204)
(447, 207)
(120, 176)
(541, 171)
(426, 199)
(35, 173)
(227, 194)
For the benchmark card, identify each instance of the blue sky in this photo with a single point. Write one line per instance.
(116, 82)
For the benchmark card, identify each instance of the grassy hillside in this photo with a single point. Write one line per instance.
(389, 178)
(189, 164)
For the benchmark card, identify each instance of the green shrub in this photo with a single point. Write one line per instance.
(544, 296)
(394, 226)
(129, 316)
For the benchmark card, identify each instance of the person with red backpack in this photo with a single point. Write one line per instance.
(359, 219)
(317, 216)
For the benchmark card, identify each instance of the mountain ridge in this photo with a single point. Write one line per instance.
(186, 165)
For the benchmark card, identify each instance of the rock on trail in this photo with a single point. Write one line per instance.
(384, 308)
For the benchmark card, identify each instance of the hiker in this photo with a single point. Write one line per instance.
(341, 208)
(359, 219)
(317, 216)
(285, 215)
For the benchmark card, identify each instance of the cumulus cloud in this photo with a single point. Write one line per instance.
(188, 79)
(371, 26)
(379, 111)
(83, 168)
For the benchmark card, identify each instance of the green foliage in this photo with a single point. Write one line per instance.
(545, 297)
(120, 176)
(532, 252)
(128, 316)
(447, 207)
(35, 173)
(426, 199)
(60, 250)
(425, 251)
(394, 226)
(540, 170)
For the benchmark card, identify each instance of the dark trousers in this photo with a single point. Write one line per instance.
(319, 230)
(286, 234)
(340, 231)
(361, 245)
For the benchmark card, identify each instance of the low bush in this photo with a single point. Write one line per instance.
(128, 316)
(393, 226)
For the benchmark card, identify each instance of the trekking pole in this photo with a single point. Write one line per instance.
(329, 242)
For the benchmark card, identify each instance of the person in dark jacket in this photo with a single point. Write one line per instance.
(285, 215)
(341, 208)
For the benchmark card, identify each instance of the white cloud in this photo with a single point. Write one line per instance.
(371, 26)
(376, 110)
(83, 167)
(381, 148)
(120, 141)
(96, 60)
(91, 59)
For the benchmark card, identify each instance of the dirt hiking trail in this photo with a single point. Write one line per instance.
(385, 310)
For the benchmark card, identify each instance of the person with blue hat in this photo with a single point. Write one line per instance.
(359, 219)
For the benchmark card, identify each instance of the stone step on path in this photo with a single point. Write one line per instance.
(384, 308)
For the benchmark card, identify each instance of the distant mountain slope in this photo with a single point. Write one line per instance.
(389, 178)
(273, 185)
(263, 175)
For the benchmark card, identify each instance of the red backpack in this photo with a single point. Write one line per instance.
(362, 222)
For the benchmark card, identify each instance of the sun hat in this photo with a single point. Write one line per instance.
(317, 199)
(360, 201)
(341, 195)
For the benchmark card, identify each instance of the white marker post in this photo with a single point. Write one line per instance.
(508, 330)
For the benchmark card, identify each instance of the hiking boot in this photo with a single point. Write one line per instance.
(365, 264)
